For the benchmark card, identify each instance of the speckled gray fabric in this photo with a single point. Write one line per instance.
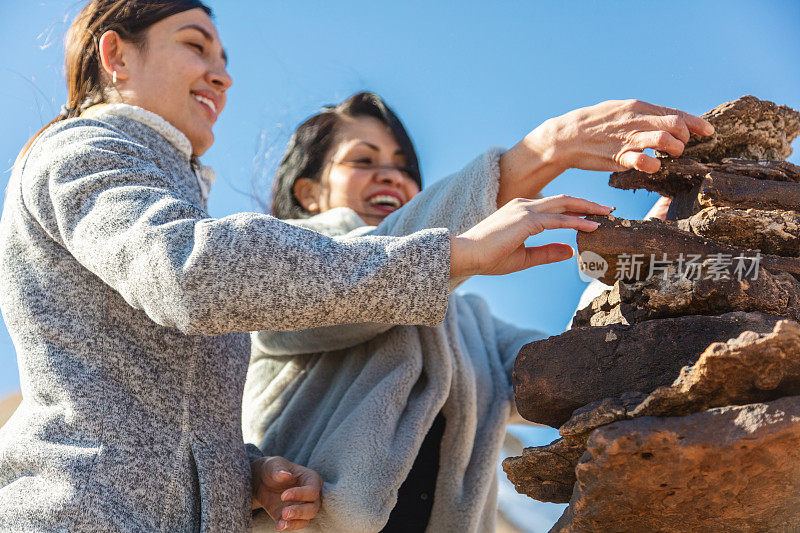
(129, 306)
(368, 393)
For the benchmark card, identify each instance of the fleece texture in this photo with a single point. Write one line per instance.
(130, 307)
(355, 402)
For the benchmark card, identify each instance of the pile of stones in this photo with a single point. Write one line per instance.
(677, 390)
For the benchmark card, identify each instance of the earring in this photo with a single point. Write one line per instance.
(114, 77)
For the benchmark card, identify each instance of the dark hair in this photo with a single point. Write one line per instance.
(311, 143)
(86, 85)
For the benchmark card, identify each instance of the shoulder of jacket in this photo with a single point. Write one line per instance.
(79, 135)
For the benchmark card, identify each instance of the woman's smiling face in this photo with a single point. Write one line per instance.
(365, 172)
(179, 74)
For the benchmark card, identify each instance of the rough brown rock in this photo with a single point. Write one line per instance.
(555, 376)
(616, 238)
(727, 469)
(722, 189)
(676, 174)
(679, 174)
(747, 128)
(771, 232)
(753, 367)
(763, 169)
(673, 295)
(546, 473)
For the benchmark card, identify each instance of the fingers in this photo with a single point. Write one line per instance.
(304, 493)
(659, 209)
(695, 124)
(570, 205)
(558, 221)
(639, 161)
(294, 517)
(290, 525)
(277, 472)
(657, 140)
(676, 126)
(303, 511)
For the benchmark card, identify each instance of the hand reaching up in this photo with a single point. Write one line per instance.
(496, 245)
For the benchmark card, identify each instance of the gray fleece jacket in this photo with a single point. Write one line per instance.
(129, 309)
(355, 402)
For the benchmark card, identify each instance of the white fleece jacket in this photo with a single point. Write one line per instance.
(355, 402)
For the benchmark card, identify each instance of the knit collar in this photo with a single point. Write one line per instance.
(205, 175)
(172, 134)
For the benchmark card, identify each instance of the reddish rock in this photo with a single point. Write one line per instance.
(747, 128)
(555, 376)
(727, 469)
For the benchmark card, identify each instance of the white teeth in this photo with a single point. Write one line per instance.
(385, 199)
(207, 101)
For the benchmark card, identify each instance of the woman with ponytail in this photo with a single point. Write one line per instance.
(129, 306)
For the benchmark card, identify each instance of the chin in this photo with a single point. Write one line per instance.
(201, 143)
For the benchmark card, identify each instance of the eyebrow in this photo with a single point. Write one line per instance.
(399, 151)
(207, 36)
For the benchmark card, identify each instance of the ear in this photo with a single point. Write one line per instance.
(307, 192)
(115, 55)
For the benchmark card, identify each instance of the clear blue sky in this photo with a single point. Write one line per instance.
(463, 76)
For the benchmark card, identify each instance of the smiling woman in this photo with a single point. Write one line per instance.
(329, 164)
(129, 304)
(404, 424)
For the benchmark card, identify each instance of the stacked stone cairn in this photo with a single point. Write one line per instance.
(677, 391)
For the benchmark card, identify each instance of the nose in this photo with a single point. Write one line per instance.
(389, 175)
(220, 79)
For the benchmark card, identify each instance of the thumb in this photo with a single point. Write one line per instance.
(548, 253)
(276, 472)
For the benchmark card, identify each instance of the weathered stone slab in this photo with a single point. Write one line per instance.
(727, 469)
(763, 169)
(555, 376)
(619, 238)
(771, 232)
(747, 128)
(722, 189)
(674, 295)
(753, 367)
(546, 473)
(675, 175)
(679, 174)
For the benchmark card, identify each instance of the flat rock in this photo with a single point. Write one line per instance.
(546, 473)
(679, 174)
(727, 469)
(747, 128)
(627, 248)
(753, 367)
(674, 295)
(554, 377)
(723, 189)
(771, 232)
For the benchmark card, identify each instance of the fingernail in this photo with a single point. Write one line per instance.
(281, 525)
(288, 514)
(284, 472)
(709, 129)
(593, 223)
(613, 208)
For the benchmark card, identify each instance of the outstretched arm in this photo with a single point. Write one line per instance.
(106, 200)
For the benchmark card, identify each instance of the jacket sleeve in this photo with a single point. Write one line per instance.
(457, 203)
(112, 207)
(506, 340)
